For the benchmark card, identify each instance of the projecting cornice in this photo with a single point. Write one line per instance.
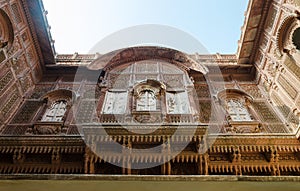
(255, 18)
(40, 30)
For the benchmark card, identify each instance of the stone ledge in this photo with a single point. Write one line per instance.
(218, 178)
(137, 183)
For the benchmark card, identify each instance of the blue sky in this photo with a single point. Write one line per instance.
(76, 25)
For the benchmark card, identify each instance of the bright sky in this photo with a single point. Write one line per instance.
(77, 25)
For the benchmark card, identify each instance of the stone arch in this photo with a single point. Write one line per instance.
(6, 31)
(284, 36)
(6, 35)
(152, 85)
(116, 58)
(60, 94)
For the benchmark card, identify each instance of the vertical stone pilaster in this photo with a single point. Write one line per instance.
(169, 168)
(206, 161)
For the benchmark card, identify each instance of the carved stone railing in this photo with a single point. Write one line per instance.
(179, 118)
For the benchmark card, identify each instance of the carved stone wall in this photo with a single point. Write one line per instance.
(19, 64)
(264, 144)
(278, 60)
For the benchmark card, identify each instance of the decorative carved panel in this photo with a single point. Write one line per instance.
(73, 130)
(6, 80)
(40, 90)
(267, 115)
(19, 65)
(252, 90)
(118, 81)
(16, 13)
(205, 111)
(148, 118)
(202, 91)
(26, 83)
(10, 103)
(174, 81)
(16, 129)
(27, 112)
(115, 103)
(285, 110)
(47, 128)
(271, 18)
(92, 93)
(293, 2)
(292, 66)
(287, 87)
(244, 127)
(294, 121)
(277, 128)
(85, 111)
(177, 103)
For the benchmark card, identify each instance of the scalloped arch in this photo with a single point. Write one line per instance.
(284, 33)
(7, 33)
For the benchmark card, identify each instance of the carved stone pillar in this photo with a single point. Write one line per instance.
(127, 150)
(124, 164)
(166, 152)
(92, 165)
(169, 168)
(129, 166)
(89, 166)
(236, 159)
(200, 165)
(274, 162)
(206, 161)
(86, 163)
(163, 168)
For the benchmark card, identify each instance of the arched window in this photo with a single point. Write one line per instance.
(237, 105)
(6, 34)
(146, 101)
(55, 112)
(237, 110)
(296, 38)
(57, 105)
(240, 113)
